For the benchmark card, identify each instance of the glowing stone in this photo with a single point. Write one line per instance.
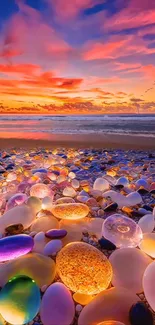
(40, 190)
(57, 306)
(82, 299)
(70, 211)
(47, 203)
(111, 322)
(19, 215)
(45, 224)
(149, 284)
(114, 304)
(69, 191)
(122, 231)
(40, 242)
(147, 245)
(34, 203)
(15, 200)
(147, 223)
(101, 184)
(38, 267)
(83, 268)
(20, 300)
(15, 246)
(65, 200)
(129, 265)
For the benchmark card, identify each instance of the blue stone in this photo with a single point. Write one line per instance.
(140, 315)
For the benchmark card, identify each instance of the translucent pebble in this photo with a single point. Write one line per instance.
(75, 183)
(113, 303)
(117, 198)
(147, 223)
(11, 177)
(147, 245)
(141, 183)
(78, 308)
(149, 284)
(69, 191)
(82, 199)
(57, 306)
(54, 246)
(47, 203)
(51, 176)
(15, 200)
(122, 181)
(40, 190)
(34, 203)
(83, 268)
(111, 322)
(133, 198)
(65, 200)
(20, 214)
(82, 299)
(38, 267)
(20, 300)
(14, 246)
(44, 224)
(71, 175)
(101, 184)
(70, 211)
(122, 231)
(129, 265)
(40, 242)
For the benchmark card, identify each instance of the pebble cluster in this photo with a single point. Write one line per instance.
(77, 238)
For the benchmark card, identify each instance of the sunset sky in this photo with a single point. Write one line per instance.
(77, 56)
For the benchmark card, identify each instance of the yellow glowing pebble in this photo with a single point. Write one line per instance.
(70, 211)
(83, 268)
(40, 190)
(114, 303)
(111, 322)
(82, 299)
(147, 245)
(34, 203)
(38, 267)
(45, 224)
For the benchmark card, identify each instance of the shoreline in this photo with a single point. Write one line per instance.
(110, 141)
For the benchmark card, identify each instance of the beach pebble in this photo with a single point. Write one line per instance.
(129, 265)
(65, 200)
(34, 203)
(47, 203)
(56, 233)
(147, 223)
(14, 229)
(101, 184)
(133, 198)
(15, 200)
(122, 231)
(69, 191)
(38, 267)
(53, 247)
(57, 306)
(82, 299)
(15, 246)
(40, 190)
(19, 214)
(140, 315)
(114, 303)
(111, 207)
(70, 211)
(20, 300)
(141, 183)
(149, 284)
(122, 181)
(147, 245)
(106, 244)
(44, 224)
(40, 242)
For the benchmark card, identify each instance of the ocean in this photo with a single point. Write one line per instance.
(41, 126)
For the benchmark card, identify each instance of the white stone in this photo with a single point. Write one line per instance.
(147, 223)
(52, 247)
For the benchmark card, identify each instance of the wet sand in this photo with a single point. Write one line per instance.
(83, 141)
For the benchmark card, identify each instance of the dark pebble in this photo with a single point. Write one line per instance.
(147, 207)
(111, 207)
(142, 191)
(140, 315)
(14, 229)
(118, 187)
(106, 244)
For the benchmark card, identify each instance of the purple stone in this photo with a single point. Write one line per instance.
(56, 233)
(15, 246)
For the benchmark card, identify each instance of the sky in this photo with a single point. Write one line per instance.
(77, 56)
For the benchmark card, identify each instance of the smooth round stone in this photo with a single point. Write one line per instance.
(122, 231)
(133, 198)
(70, 211)
(38, 267)
(69, 191)
(40, 242)
(106, 244)
(44, 224)
(117, 198)
(122, 181)
(140, 315)
(53, 247)
(82, 299)
(113, 303)
(101, 184)
(65, 200)
(129, 265)
(82, 198)
(147, 245)
(15, 246)
(15, 200)
(20, 300)
(20, 214)
(75, 183)
(57, 306)
(83, 268)
(149, 284)
(47, 203)
(40, 190)
(141, 183)
(34, 203)
(56, 233)
(147, 223)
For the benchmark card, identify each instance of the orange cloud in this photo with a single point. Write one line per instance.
(26, 69)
